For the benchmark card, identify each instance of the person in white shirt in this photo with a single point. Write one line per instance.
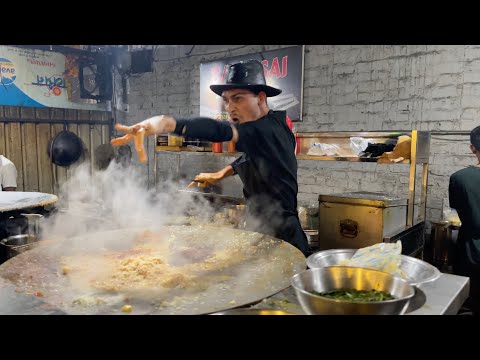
(8, 175)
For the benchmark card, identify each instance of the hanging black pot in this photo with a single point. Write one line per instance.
(65, 148)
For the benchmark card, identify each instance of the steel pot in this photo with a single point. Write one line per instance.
(16, 244)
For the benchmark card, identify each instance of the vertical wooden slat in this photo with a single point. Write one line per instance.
(30, 156)
(105, 115)
(105, 134)
(59, 114)
(61, 173)
(83, 115)
(71, 117)
(3, 137)
(12, 112)
(45, 177)
(96, 115)
(29, 150)
(84, 133)
(96, 131)
(13, 142)
(55, 184)
(73, 128)
(70, 114)
(46, 168)
(14, 150)
(42, 113)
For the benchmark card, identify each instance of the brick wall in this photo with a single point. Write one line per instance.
(349, 87)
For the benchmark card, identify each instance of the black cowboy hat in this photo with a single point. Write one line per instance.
(246, 75)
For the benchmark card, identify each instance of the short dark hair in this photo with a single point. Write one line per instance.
(475, 138)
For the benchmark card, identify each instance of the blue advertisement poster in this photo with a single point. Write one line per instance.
(36, 78)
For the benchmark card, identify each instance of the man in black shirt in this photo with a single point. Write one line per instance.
(464, 196)
(268, 166)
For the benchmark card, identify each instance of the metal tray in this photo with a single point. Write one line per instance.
(363, 198)
(418, 271)
(18, 200)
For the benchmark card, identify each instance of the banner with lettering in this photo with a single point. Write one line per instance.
(36, 78)
(283, 69)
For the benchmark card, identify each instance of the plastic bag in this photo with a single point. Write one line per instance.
(358, 145)
(386, 257)
(321, 149)
(450, 214)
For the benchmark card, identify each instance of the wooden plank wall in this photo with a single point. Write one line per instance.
(26, 144)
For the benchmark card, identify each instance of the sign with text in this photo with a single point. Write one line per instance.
(36, 78)
(283, 69)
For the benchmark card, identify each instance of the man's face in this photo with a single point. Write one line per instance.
(242, 105)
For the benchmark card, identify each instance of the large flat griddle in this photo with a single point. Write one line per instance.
(264, 271)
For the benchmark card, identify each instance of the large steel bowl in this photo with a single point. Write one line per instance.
(417, 271)
(344, 277)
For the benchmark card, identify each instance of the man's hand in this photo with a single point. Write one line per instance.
(206, 179)
(152, 126)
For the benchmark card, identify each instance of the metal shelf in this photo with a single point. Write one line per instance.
(419, 154)
(186, 151)
(345, 158)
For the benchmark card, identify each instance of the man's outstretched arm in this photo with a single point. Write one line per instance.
(197, 128)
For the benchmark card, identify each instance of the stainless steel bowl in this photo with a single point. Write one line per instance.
(417, 271)
(18, 240)
(344, 277)
(16, 244)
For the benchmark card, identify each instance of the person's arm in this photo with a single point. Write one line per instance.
(455, 193)
(205, 179)
(199, 128)
(9, 177)
(206, 129)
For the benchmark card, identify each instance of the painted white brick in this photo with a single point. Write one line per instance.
(347, 57)
(472, 53)
(453, 67)
(470, 101)
(364, 67)
(446, 91)
(343, 69)
(467, 125)
(472, 76)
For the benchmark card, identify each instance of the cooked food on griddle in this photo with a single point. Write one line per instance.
(154, 264)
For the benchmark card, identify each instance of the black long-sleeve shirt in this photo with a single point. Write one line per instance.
(268, 167)
(464, 196)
